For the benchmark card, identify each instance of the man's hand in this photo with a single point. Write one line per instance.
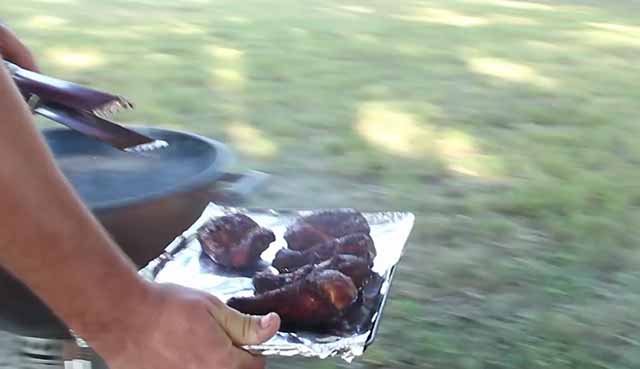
(182, 328)
(13, 50)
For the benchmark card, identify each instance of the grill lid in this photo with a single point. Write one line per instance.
(107, 178)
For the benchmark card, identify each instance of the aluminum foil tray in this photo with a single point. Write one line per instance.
(184, 263)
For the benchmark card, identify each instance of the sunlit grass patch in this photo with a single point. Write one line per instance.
(444, 16)
(45, 22)
(76, 58)
(510, 71)
(250, 140)
(392, 130)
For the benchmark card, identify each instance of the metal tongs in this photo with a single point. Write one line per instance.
(80, 108)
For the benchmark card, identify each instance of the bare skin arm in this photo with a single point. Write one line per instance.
(52, 243)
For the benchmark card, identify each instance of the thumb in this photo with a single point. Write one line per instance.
(245, 329)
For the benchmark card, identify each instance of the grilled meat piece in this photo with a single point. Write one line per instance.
(323, 226)
(268, 281)
(234, 240)
(315, 301)
(354, 267)
(359, 244)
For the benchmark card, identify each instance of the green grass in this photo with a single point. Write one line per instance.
(508, 127)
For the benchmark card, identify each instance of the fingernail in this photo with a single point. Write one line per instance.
(267, 320)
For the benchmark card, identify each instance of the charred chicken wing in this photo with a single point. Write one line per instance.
(234, 240)
(354, 267)
(314, 301)
(359, 244)
(323, 226)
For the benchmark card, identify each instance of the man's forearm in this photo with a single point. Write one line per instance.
(48, 239)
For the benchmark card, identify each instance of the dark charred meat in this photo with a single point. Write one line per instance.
(323, 226)
(314, 301)
(327, 263)
(359, 244)
(234, 240)
(354, 267)
(287, 261)
(268, 281)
